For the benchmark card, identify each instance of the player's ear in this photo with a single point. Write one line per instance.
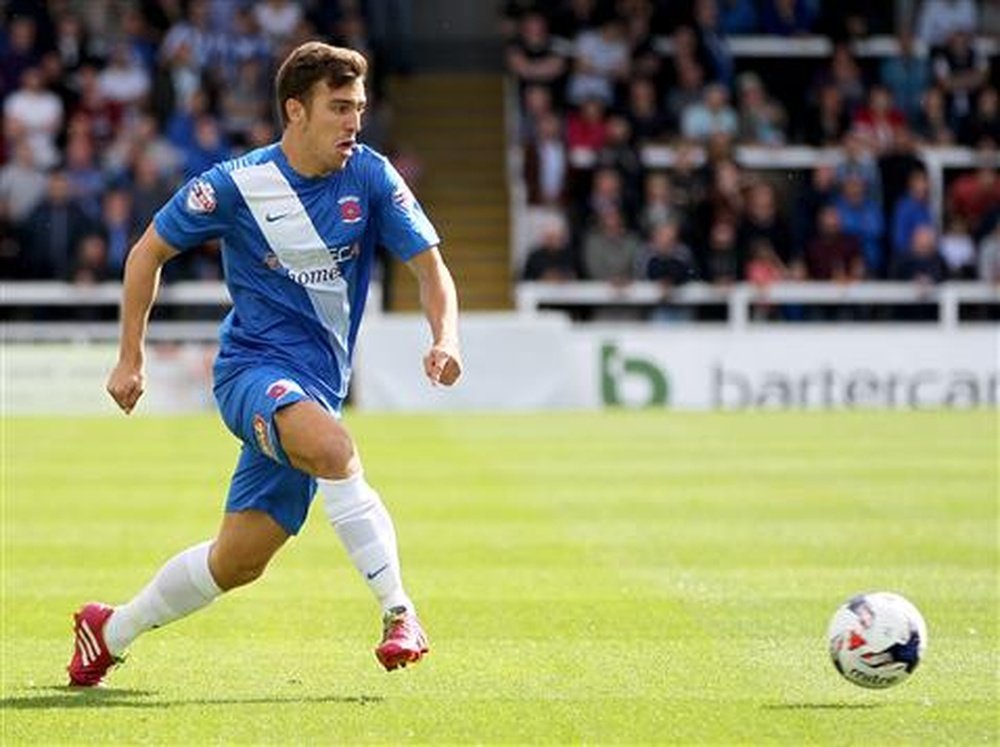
(295, 111)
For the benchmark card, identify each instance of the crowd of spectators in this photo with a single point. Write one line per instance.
(599, 80)
(109, 106)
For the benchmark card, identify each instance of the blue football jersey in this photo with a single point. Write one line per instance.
(297, 254)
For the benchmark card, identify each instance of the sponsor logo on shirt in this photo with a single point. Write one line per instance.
(350, 208)
(200, 197)
(317, 267)
(260, 432)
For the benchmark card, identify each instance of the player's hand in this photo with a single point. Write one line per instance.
(126, 383)
(443, 364)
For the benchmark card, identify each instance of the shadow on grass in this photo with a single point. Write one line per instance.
(109, 697)
(821, 706)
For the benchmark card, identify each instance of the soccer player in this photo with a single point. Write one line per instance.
(299, 220)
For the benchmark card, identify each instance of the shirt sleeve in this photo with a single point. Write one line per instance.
(403, 227)
(199, 211)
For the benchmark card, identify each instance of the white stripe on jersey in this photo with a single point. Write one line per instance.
(292, 236)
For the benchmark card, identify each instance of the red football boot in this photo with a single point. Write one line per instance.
(403, 640)
(91, 658)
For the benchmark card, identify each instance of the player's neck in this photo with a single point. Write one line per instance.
(298, 158)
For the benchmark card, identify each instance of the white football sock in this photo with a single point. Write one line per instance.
(184, 584)
(361, 521)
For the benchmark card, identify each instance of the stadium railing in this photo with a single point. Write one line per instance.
(740, 299)
(33, 295)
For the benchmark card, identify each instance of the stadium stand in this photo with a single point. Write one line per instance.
(734, 141)
(765, 142)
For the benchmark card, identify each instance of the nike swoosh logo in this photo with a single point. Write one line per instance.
(271, 217)
(377, 571)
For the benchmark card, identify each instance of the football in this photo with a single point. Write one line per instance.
(877, 640)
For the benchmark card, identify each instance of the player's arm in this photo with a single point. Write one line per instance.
(439, 300)
(142, 278)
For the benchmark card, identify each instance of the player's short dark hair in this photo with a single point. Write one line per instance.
(312, 62)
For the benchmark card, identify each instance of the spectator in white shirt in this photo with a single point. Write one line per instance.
(711, 115)
(36, 114)
(22, 184)
(602, 61)
(125, 80)
(277, 18)
(939, 19)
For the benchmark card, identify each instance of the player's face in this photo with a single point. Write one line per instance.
(333, 121)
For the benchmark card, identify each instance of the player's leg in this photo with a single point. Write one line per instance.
(187, 582)
(315, 442)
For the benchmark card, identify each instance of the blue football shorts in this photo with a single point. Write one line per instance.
(264, 480)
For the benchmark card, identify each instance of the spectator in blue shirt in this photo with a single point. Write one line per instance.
(861, 217)
(907, 75)
(912, 211)
(786, 17)
(737, 17)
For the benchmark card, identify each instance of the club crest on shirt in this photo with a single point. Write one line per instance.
(200, 197)
(350, 208)
(272, 261)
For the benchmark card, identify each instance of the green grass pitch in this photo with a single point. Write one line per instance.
(603, 578)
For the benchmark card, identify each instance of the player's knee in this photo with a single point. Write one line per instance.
(333, 457)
